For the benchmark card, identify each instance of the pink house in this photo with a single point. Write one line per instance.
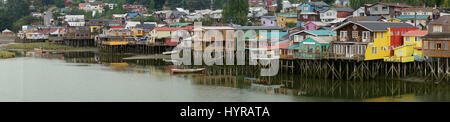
(311, 26)
(314, 25)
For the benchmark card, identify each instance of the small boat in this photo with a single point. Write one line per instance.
(40, 50)
(170, 52)
(197, 70)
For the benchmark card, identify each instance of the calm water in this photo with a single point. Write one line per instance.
(106, 77)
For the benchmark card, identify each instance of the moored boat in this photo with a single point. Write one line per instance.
(196, 70)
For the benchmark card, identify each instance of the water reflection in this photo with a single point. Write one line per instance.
(282, 84)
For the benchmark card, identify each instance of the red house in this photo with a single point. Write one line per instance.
(397, 35)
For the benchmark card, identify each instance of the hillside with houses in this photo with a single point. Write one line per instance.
(377, 30)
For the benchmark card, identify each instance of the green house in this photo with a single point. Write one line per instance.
(314, 47)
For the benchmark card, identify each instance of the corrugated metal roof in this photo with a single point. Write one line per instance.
(377, 26)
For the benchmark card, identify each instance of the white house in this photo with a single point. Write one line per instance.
(131, 24)
(74, 18)
(359, 12)
(335, 15)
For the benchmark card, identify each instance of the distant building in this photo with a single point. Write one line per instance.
(335, 15)
(309, 11)
(387, 10)
(269, 21)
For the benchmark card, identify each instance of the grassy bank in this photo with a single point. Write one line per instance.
(47, 46)
(6, 54)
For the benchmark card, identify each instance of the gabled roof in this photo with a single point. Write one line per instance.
(322, 39)
(376, 26)
(319, 32)
(365, 18)
(133, 15)
(146, 26)
(441, 20)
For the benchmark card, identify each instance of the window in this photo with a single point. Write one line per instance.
(365, 36)
(374, 50)
(417, 39)
(381, 35)
(400, 53)
(438, 46)
(305, 8)
(305, 16)
(432, 46)
(354, 34)
(425, 45)
(446, 45)
(343, 35)
(298, 38)
(407, 39)
(437, 28)
(376, 35)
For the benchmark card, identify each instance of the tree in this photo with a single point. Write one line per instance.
(27, 20)
(235, 11)
(279, 6)
(445, 4)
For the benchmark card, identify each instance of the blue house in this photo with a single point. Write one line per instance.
(309, 11)
(133, 15)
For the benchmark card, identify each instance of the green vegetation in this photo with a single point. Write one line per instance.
(6, 54)
(291, 25)
(13, 11)
(26, 20)
(47, 46)
(235, 11)
(146, 19)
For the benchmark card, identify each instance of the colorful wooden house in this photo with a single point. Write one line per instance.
(302, 40)
(335, 15)
(309, 11)
(436, 42)
(284, 19)
(414, 38)
(368, 40)
(314, 25)
(269, 20)
(313, 47)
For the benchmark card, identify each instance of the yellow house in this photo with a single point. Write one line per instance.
(379, 48)
(283, 19)
(413, 41)
(402, 54)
